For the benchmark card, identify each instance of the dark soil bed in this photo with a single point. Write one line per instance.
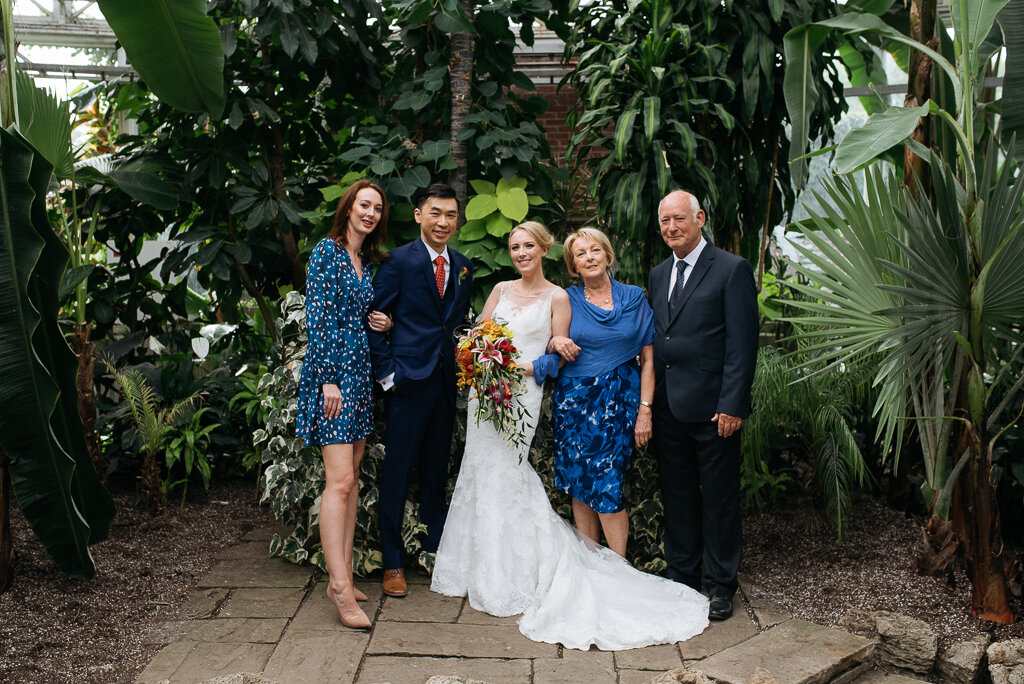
(55, 629)
(793, 560)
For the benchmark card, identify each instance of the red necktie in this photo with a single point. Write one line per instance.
(439, 275)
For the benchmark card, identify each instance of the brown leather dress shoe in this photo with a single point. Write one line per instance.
(394, 583)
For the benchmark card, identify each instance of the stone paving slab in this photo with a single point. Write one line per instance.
(661, 657)
(638, 676)
(472, 641)
(471, 616)
(165, 662)
(204, 603)
(252, 549)
(718, 636)
(795, 652)
(407, 670)
(217, 630)
(305, 657)
(257, 572)
(263, 602)
(557, 671)
(421, 606)
(317, 613)
(605, 658)
(188, 662)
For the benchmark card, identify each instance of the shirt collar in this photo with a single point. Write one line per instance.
(691, 258)
(433, 254)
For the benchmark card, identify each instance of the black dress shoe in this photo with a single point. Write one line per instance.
(720, 609)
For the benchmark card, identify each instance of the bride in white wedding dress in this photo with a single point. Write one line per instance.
(507, 550)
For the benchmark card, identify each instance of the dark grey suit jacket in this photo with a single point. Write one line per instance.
(705, 354)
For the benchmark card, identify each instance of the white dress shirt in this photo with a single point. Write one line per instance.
(447, 262)
(691, 261)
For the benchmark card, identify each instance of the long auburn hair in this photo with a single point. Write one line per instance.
(373, 241)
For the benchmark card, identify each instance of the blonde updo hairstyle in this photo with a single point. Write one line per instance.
(587, 233)
(538, 231)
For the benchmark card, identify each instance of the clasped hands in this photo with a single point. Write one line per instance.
(565, 347)
(378, 322)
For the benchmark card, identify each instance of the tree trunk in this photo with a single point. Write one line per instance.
(460, 70)
(6, 569)
(976, 522)
(150, 484)
(85, 351)
(275, 154)
(919, 91)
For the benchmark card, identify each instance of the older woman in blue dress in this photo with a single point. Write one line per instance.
(602, 402)
(335, 409)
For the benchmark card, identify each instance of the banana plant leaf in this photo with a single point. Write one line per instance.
(878, 134)
(51, 473)
(176, 49)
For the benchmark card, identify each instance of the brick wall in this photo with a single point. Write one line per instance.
(553, 120)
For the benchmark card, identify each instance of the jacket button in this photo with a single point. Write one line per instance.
(668, 337)
(668, 365)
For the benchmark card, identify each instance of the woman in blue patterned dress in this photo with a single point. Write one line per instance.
(602, 402)
(335, 391)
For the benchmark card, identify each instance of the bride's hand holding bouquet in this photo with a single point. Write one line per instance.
(486, 359)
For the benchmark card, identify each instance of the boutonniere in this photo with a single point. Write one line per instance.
(463, 272)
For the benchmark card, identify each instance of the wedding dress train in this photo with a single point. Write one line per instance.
(507, 550)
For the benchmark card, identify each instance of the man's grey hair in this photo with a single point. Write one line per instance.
(694, 204)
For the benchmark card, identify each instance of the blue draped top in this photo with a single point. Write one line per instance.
(606, 339)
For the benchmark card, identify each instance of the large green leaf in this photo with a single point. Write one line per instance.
(878, 134)
(39, 427)
(176, 49)
(136, 178)
(1011, 20)
(46, 124)
(980, 15)
(623, 132)
(800, 91)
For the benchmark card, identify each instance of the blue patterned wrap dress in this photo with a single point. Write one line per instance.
(337, 351)
(597, 396)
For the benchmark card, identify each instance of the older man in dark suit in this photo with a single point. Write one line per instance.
(705, 347)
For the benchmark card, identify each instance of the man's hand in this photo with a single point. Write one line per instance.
(727, 424)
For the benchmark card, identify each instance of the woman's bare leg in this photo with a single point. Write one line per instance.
(587, 521)
(339, 489)
(616, 530)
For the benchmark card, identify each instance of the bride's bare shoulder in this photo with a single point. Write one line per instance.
(558, 294)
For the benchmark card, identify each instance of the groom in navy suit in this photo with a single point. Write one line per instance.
(705, 347)
(425, 288)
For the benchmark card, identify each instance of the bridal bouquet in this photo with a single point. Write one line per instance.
(486, 361)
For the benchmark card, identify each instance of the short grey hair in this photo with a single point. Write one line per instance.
(694, 204)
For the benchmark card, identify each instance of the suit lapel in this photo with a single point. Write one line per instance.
(427, 268)
(659, 291)
(451, 289)
(700, 269)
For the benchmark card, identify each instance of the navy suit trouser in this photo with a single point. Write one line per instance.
(700, 489)
(420, 418)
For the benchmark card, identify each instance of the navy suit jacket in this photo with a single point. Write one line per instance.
(422, 336)
(705, 354)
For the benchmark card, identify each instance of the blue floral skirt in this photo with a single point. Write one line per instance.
(593, 421)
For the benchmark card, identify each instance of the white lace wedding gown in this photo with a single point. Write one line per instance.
(507, 550)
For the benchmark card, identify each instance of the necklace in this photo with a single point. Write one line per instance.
(597, 295)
